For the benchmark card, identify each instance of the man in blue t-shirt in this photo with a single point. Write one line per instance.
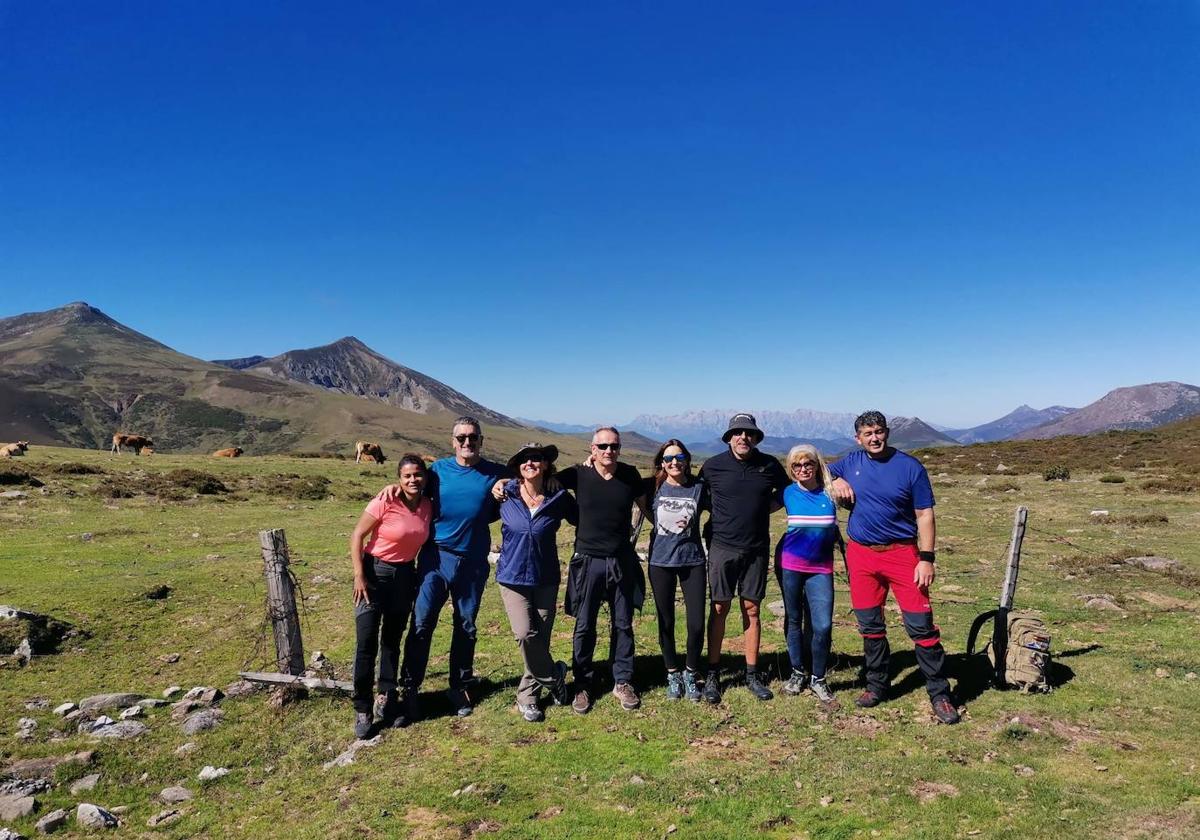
(463, 508)
(892, 535)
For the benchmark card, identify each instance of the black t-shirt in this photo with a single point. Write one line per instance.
(742, 492)
(605, 507)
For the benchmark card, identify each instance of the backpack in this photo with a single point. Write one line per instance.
(1027, 656)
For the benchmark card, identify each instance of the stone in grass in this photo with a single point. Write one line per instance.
(166, 817)
(184, 749)
(88, 815)
(210, 774)
(184, 708)
(122, 730)
(37, 704)
(132, 712)
(1154, 564)
(9, 834)
(201, 721)
(205, 695)
(65, 709)
(53, 821)
(85, 784)
(151, 702)
(93, 725)
(16, 807)
(100, 702)
(175, 794)
(25, 728)
(241, 688)
(171, 691)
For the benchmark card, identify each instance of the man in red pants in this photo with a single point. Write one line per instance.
(892, 535)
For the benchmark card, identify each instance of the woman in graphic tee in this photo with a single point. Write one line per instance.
(385, 584)
(804, 565)
(677, 499)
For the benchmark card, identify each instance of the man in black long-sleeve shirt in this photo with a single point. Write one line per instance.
(745, 485)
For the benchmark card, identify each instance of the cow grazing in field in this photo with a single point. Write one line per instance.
(231, 452)
(369, 452)
(135, 442)
(147, 450)
(12, 450)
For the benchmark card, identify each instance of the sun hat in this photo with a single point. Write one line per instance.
(742, 423)
(549, 453)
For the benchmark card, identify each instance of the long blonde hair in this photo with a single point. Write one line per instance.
(811, 451)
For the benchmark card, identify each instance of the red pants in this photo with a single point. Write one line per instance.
(872, 574)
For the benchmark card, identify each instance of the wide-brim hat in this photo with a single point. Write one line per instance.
(549, 454)
(742, 423)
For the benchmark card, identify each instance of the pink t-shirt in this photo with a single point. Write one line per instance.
(401, 532)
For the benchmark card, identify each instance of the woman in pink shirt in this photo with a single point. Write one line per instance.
(396, 526)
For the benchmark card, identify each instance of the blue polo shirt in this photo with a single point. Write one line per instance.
(463, 506)
(887, 494)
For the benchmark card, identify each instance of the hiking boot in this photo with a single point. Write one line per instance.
(558, 691)
(460, 701)
(362, 725)
(712, 687)
(868, 699)
(409, 712)
(582, 704)
(531, 712)
(944, 710)
(386, 708)
(756, 687)
(795, 684)
(691, 689)
(821, 691)
(674, 685)
(628, 697)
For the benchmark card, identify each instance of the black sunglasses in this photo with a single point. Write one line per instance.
(465, 438)
(666, 459)
(613, 446)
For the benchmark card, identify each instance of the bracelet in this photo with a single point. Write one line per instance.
(926, 556)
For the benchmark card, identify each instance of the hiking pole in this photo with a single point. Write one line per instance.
(1008, 591)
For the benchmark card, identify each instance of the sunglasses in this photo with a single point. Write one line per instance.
(607, 446)
(681, 458)
(534, 459)
(468, 438)
(805, 465)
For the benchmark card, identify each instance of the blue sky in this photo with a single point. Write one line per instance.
(584, 213)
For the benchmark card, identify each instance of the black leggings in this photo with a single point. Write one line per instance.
(693, 580)
(391, 588)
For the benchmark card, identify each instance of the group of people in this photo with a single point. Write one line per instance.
(425, 540)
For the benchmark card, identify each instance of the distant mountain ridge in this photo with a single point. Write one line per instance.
(348, 366)
(1134, 407)
(1016, 421)
(708, 423)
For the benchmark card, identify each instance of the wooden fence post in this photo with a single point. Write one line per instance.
(281, 602)
(1007, 592)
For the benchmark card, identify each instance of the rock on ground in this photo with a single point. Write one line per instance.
(175, 794)
(16, 807)
(65, 709)
(210, 773)
(1154, 564)
(88, 815)
(241, 688)
(53, 821)
(166, 817)
(170, 691)
(43, 768)
(25, 728)
(205, 694)
(99, 702)
(122, 730)
(201, 721)
(9, 834)
(132, 712)
(85, 784)
(347, 756)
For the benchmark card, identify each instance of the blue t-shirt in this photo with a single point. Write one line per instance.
(807, 545)
(463, 505)
(887, 494)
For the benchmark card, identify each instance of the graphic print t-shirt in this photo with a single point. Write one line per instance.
(675, 540)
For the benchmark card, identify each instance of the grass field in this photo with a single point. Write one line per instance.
(1112, 752)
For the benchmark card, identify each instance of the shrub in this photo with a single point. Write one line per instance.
(1112, 479)
(1056, 473)
(1169, 485)
(196, 481)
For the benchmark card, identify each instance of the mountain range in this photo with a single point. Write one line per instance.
(73, 376)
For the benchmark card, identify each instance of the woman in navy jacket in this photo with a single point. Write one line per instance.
(534, 505)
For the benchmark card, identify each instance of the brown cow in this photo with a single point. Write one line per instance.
(369, 452)
(232, 452)
(147, 451)
(135, 442)
(12, 450)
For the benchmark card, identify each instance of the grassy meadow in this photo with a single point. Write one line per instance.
(1112, 752)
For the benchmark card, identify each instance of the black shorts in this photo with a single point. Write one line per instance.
(741, 571)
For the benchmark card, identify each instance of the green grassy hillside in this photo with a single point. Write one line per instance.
(1109, 753)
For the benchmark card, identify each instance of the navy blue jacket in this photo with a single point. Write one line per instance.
(528, 554)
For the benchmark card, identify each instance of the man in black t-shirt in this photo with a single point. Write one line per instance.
(745, 485)
(604, 568)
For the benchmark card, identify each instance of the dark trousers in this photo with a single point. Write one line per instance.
(693, 580)
(601, 580)
(444, 575)
(378, 625)
(807, 619)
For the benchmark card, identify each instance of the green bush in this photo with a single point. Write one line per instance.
(1112, 479)
(1057, 473)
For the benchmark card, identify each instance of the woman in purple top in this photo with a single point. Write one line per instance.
(528, 570)
(804, 566)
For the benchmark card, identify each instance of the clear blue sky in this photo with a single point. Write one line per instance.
(580, 213)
